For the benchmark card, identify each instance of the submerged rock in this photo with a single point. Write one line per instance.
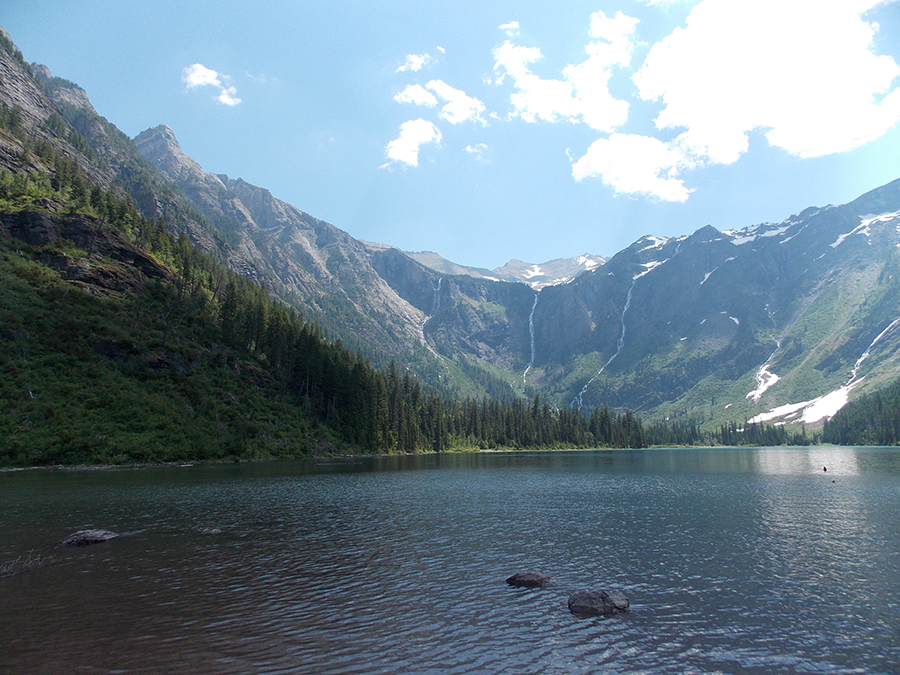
(589, 602)
(528, 580)
(85, 537)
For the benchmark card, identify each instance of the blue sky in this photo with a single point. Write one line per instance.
(486, 130)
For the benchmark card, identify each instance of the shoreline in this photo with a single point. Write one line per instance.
(345, 456)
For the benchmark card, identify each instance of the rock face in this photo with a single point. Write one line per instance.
(85, 537)
(113, 265)
(528, 580)
(588, 602)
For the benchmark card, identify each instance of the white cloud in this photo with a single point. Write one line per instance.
(478, 151)
(511, 28)
(414, 63)
(634, 164)
(459, 106)
(413, 135)
(416, 94)
(801, 71)
(583, 95)
(228, 96)
(198, 75)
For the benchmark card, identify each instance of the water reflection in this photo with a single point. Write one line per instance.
(736, 560)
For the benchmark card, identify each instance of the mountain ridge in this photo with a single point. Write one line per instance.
(708, 327)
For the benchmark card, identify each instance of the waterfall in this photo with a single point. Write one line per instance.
(531, 332)
(577, 401)
(855, 372)
(437, 297)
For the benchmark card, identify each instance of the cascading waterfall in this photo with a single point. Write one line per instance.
(531, 332)
(855, 372)
(577, 401)
(437, 296)
(764, 377)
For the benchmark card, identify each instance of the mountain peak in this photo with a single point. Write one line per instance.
(62, 91)
(160, 146)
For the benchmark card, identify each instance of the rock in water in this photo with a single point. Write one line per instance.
(85, 537)
(528, 580)
(595, 603)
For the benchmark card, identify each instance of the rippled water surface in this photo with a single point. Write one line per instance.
(751, 560)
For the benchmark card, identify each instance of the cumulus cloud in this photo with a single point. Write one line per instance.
(801, 72)
(458, 106)
(413, 135)
(583, 94)
(198, 75)
(635, 164)
(417, 95)
(415, 62)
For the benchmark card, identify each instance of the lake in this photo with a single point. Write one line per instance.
(734, 560)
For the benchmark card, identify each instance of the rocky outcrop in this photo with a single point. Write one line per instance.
(86, 537)
(110, 263)
(528, 580)
(589, 602)
(62, 91)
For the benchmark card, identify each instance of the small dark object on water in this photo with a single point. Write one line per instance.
(589, 602)
(528, 580)
(824, 468)
(85, 537)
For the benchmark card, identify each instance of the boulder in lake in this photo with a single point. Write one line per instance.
(528, 580)
(85, 537)
(590, 602)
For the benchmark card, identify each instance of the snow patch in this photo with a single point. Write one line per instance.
(655, 242)
(870, 219)
(865, 225)
(827, 405)
(776, 232)
(534, 271)
(709, 274)
(587, 263)
(649, 267)
(764, 380)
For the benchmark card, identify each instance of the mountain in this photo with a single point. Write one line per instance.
(778, 322)
(550, 273)
(326, 272)
(772, 322)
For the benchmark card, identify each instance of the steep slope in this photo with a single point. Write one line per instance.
(778, 322)
(369, 295)
(325, 271)
(734, 324)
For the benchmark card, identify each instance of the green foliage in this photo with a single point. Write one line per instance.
(873, 419)
(760, 435)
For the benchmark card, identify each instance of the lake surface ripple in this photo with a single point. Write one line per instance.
(735, 561)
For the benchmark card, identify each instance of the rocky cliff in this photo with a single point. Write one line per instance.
(778, 321)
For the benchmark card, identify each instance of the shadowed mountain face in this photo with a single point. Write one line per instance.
(715, 325)
(776, 321)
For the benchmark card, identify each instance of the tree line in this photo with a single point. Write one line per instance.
(375, 410)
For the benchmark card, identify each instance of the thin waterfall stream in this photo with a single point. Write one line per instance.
(531, 333)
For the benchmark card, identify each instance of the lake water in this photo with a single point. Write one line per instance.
(735, 561)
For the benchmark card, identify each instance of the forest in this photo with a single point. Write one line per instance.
(208, 364)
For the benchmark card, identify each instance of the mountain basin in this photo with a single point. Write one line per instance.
(751, 560)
